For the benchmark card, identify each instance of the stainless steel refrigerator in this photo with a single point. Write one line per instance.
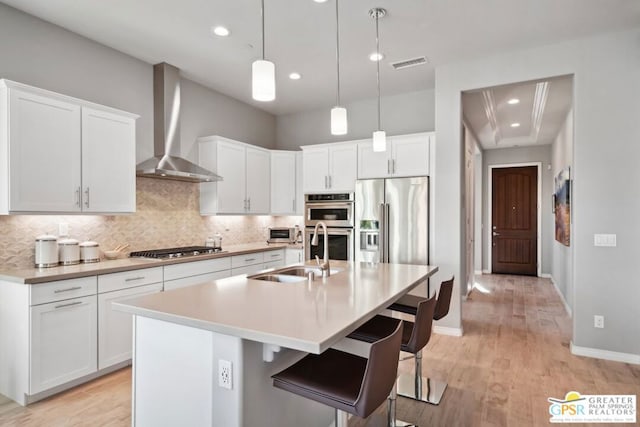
(392, 220)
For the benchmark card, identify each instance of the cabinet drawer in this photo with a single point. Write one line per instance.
(274, 255)
(274, 264)
(247, 259)
(129, 279)
(194, 280)
(62, 289)
(248, 269)
(177, 271)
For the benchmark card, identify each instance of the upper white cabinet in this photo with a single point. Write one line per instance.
(283, 183)
(245, 185)
(329, 168)
(406, 155)
(63, 155)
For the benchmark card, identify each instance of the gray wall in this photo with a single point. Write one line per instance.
(562, 258)
(606, 194)
(400, 114)
(41, 54)
(520, 155)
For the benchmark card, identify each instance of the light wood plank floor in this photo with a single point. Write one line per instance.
(513, 355)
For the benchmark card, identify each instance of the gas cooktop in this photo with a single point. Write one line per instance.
(185, 251)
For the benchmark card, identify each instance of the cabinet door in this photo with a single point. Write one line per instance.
(293, 256)
(299, 189)
(108, 162)
(44, 146)
(63, 342)
(283, 183)
(343, 165)
(258, 181)
(315, 170)
(373, 164)
(231, 166)
(115, 327)
(410, 155)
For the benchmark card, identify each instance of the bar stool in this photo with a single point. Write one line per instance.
(417, 387)
(415, 337)
(349, 383)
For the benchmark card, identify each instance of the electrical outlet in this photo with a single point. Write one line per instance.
(63, 229)
(598, 321)
(225, 374)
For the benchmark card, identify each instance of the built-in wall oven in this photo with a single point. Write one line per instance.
(337, 212)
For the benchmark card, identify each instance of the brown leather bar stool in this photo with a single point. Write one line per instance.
(417, 387)
(349, 383)
(415, 336)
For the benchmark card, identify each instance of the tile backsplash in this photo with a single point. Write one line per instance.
(167, 215)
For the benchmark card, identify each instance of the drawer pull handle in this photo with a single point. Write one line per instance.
(275, 255)
(131, 279)
(75, 288)
(69, 304)
(249, 259)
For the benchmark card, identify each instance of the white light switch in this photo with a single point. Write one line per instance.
(604, 240)
(63, 229)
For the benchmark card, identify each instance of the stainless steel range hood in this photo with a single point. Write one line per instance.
(167, 163)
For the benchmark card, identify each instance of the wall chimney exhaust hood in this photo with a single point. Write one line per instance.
(166, 162)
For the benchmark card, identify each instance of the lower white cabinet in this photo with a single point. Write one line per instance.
(254, 262)
(194, 280)
(63, 342)
(294, 256)
(115, 327)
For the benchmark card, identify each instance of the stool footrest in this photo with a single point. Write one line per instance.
(420, 388)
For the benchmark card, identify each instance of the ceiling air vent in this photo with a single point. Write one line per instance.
(409, 63)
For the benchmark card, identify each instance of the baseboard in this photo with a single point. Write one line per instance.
(478, 272)
(597, 353)
(564, 301)
(486, 271)
(446, 330)
(545, 275)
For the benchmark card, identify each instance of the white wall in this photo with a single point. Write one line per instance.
(479, 224)
(606, 197)
(562, 259)
(503, 156)
(41, 54)
(400, 114)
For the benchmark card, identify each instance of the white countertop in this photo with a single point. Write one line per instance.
(303, 316)
(42, 275)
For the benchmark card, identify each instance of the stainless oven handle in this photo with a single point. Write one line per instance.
(335, 205)
(381, 233)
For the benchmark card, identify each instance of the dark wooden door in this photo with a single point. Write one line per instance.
(514, 220)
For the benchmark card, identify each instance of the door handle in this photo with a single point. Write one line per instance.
(86, 193)
(495, 234)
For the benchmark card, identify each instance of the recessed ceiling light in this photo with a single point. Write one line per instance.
(376, 57)
(295, 76)
(221, 31)
(513, 101)
(515, 125)
(320, 1)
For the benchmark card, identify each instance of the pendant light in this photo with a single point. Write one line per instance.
(379, 136)
(263, 74)
(338, 113)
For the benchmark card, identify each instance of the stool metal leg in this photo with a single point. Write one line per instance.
(392, 421)
(418, 388)
(342, 418)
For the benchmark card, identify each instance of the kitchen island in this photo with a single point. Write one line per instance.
(259, 327)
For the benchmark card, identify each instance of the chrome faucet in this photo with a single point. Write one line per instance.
(324, 265)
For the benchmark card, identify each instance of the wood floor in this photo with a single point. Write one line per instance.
(513, 355)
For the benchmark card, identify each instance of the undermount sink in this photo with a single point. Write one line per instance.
(291, 274)
(282, 278)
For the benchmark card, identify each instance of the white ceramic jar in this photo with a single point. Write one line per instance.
(68, 251)
(89, 252)
(46, 251)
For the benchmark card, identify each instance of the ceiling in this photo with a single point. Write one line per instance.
(300, 36)
(540, 112)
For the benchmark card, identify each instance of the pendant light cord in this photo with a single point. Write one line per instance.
(337, 55)
(262, 10)
(378, 65)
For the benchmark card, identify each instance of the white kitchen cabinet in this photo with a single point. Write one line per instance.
(330, 168)
(184, 282)
(63, 155)
(191, 273)
(245, 185)
(299, 185)
(406, 155)
(294, 256)
(253, 262)
(115, 327)
(63, 342)
(283, 183)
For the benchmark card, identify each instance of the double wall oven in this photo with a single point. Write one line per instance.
(337, 212)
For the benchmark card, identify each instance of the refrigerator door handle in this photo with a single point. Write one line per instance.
(387, 218)
(381, 234)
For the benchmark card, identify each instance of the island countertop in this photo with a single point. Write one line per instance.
(304, 316)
